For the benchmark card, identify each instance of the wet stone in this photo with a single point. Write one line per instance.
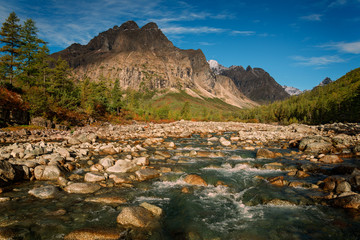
(82, 188)
(137, 216)
(45, 192)
(194, 179)
(96, 234)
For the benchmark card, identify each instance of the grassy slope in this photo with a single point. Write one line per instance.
(199, 108)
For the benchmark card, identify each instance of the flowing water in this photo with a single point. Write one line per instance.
(238, 210)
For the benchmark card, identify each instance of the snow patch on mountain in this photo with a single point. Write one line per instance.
(216, 67)
(292, 90)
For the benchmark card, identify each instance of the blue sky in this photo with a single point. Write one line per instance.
(299, 42)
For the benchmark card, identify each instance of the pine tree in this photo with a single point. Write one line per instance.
(10, 39)
(33, 55)
(116, 97)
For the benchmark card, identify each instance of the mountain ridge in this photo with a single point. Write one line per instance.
(255, 83)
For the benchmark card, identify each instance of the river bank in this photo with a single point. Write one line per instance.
(129, 181)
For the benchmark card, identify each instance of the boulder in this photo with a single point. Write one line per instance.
(107, 162)
(343, 187)
(329, 159)
(194, 179)
(96, 234)
(155, 210)
(142, 161)
(278, 181)
(351, 201)
(265, 153)
(224, 142)
(45, 192)
(63, 152)
(83, 188)
(9, 173)
(147, 173)
(122, 166)
(51, 172)
(92, 177)
(279, 202)
(108, 151)
(137, 217)
(317, 144)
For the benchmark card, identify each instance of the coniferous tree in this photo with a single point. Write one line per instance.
(10, 41)
(33, 55)
(116, 97)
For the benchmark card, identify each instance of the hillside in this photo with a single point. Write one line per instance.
(338, 101)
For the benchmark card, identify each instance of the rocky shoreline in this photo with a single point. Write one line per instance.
(86, 159)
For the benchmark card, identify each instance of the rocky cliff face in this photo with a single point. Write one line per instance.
(142, 58)
(256, 84)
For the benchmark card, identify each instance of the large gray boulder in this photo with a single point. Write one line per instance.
(317, 144)
(51, 172)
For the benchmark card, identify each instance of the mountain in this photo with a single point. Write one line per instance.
(143, 58)
(292, 90)
(216, 67)
(324, 82)
(255, 83)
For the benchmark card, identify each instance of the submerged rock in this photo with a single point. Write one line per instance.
(82, 188)
(137, 217)
(45, 192)
(106, 200)
(148, 173)
(265, 153)
(95, 234)
(352, 201)
(194, 179)
(331, 159)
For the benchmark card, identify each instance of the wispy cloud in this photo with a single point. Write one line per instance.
(317, 61)
(196, 30)
(312, 17)
(337, 3)
(206, 43)
(243, 33)
(350, 47)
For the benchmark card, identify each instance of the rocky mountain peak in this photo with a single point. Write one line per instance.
(215, 66)
(326, 81)
(150, 26)
(256, 84)
(129, 25)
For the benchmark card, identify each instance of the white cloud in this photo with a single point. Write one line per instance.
(243, 33)
(317, 61)
(350, 47)
(312, 17)
(196, 30)
(337, 3)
